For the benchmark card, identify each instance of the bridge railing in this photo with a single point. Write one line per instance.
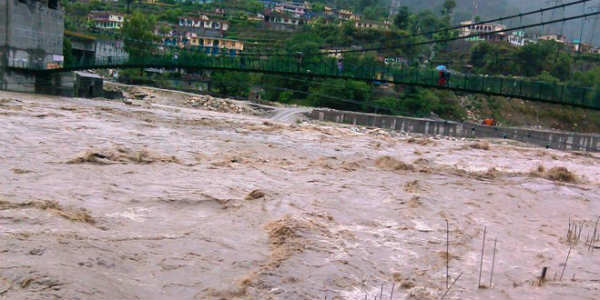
(328, 67)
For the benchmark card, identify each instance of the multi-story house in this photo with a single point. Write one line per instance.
(295, 9)
(203, 22)
(580, 47)
(106, 20)
(207, 44)
(348, 15)
(518, 39)
(488, 32)
(366, 24)
(559, 38)
(280, 21)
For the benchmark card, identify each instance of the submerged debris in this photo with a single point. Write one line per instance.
(560, 174)
(217, 104)
(481, 145)
(72, 214)
(390, 163)
(120, 155)
(255, 194)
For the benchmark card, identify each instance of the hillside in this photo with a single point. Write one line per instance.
(548, 61)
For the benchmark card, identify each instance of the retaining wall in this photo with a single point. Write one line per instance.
(544, 138)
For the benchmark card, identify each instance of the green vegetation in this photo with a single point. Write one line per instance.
(138, 33)
(230, 83)
(67, 52)
(545, 61)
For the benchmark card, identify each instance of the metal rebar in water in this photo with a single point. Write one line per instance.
(481, 260)
(493, 263)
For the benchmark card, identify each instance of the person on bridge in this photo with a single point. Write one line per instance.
(443, 75)
(340, 65)
(447, 77)
(441, 78)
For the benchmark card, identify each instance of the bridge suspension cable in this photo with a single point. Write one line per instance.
(520, 15)
(272, 52)
(581, 16)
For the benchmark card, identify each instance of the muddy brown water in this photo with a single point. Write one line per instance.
(99, 199)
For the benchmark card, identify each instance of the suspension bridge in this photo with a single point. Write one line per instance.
(320, 65)
(326, 67)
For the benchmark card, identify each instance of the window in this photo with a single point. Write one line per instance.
(53, 4)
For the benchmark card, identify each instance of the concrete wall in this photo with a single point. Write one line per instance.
(17, 81)
(55, 84)
(551, 139)
(3, 22)
(88, 85)
(35, 32)
(31, 34)
(3, 48)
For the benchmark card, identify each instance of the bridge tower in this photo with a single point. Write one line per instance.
(31, 34)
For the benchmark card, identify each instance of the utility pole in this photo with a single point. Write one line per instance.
(394, 6)
(581, 31)
(554, 3)
(594, 24)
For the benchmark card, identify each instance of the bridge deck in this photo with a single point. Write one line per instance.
(327, 68)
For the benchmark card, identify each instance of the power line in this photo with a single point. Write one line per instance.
(460, 38)
(442, 30)
(520, 15)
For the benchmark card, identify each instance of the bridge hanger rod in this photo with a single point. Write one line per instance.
(407, 44)
(463, 37)
(438, 31)
(520, 15)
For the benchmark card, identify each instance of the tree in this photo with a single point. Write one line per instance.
(479, 53)
(128, 5)
(535, 58)
(138, 34)
(547, 77)
(286, 96)
(492, 58)
(587, 78)
(317, 6)
(426, 21)
(230, 83)
(561, 68)
(340, 94)
(401, 20)
(164, 29)
(68, 52)
(448, 7)
(171, 15)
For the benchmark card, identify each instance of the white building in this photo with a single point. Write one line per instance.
(518, 39)
(203, 22)
(482, 31)
(106, 20)
(559, 38)
(295, 9)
